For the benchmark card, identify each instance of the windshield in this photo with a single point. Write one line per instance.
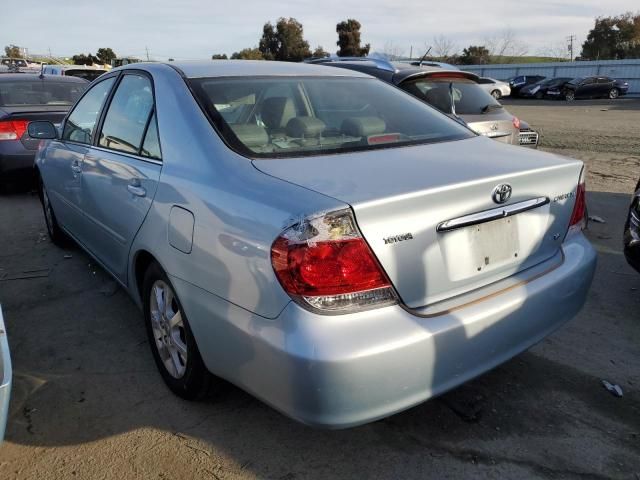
(300, 116)
(577, 80)
(38, 92)
(470, 99)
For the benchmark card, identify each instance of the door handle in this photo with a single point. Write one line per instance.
(135, 188)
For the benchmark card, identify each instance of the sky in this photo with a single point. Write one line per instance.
(191, 29)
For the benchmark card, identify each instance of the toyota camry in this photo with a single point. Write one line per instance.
(325, 241)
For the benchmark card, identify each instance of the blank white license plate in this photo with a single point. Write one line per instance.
(493, 243)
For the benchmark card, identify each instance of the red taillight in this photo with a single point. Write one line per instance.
(579, 215)
(516, 122)
(12, 129)
(325, 264)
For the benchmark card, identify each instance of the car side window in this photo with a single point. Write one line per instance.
(128, 114)
(151, 144)
(604, 80)
(81, 123)
(588, 81)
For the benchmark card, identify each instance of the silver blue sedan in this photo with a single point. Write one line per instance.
(321, 239)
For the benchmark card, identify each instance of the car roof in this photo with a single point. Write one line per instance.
(37, 76)
(248, 68)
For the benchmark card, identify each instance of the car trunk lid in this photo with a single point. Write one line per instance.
(401, 196)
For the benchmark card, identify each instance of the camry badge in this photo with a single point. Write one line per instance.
(502, 193)
(494, 127)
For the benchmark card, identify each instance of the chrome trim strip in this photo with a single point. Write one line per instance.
(493, 214)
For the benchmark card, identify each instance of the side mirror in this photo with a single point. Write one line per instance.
(42, 130)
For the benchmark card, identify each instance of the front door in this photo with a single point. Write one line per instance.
(62, 168)
(120, 173)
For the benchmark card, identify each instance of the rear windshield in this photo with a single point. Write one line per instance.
(37, 92)
(468, 96)
(301, 116)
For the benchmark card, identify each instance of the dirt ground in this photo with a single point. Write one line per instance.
(88, 402)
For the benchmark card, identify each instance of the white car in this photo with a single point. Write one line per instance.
(497, 88)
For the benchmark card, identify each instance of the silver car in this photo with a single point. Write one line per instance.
(496, 88)
(323, 240)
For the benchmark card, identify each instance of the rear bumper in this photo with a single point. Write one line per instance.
(14, 157)
(345, 370)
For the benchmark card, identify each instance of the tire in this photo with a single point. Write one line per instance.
(569, 95)
(173, 347)
(539, 95)
(614, 93)
(57, 236)
(497, 94)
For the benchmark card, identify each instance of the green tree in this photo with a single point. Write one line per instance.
(284, 42)
(319, 52)
(105, 55)
(474, 55)
(12, 51)
(613, 38)
(82, 59)
(248, 54)
(349, 39)
(219, 56)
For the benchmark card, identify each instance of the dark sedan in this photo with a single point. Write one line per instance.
(632, 231)
(24, 98)
(539, 89)
(590, 87)
(521, 81)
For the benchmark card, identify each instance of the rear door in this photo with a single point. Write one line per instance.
(603, 86)
(120, 173)
(61, 168)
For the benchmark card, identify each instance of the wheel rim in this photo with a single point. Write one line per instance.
(613, 94)
(496, 94)
(570, 96)
(48, 213)
(168, 329)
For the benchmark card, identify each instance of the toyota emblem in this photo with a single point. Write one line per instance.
(502, 193)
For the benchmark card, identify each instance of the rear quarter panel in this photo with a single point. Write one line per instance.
(238, 211)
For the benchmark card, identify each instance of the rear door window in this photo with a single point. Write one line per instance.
(128, 115)
(81, 123)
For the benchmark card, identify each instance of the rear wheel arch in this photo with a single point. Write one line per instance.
(142, 261)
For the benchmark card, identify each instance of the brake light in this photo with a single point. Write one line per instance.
(12, 129)
(325, 265)
(516, 122)
(578, 220)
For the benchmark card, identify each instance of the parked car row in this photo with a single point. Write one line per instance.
(458, 94)
(306, 232)
(567, 88)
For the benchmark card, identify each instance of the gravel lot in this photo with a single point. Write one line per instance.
(88, 403)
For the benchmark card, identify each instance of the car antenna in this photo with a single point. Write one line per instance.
(424, 57)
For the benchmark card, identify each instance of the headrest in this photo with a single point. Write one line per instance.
(305, 127)
(277, 111)
(363, 126)
(440, 98)
(251, 135)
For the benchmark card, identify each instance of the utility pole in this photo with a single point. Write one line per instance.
(147, 50)
(411, 52)
(570, 39)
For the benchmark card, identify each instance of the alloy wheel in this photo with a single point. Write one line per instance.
(613, 94)
(168, 329)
